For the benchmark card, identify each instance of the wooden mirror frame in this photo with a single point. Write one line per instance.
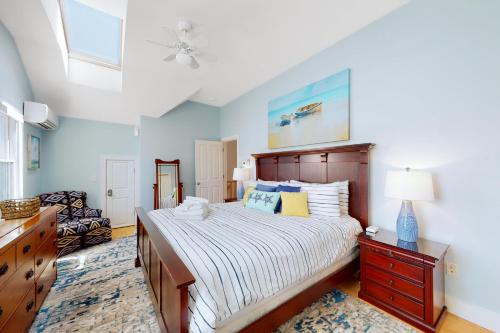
(177, 164)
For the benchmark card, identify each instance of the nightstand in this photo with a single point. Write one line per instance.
(404, 279)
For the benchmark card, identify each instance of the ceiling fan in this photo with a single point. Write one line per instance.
(182, 45)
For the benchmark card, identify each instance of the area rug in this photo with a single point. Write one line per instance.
(99, 289)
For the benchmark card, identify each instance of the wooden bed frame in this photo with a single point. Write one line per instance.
(168, 278)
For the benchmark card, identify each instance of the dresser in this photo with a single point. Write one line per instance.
(27, 267)
(404, 279)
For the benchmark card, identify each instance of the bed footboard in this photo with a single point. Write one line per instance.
(166, 276)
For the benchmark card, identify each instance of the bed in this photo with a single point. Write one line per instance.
(253, 270)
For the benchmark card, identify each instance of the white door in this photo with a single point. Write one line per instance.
(209, 170)
(120, 181)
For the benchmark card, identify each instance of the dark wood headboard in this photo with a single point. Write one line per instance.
(325, 165)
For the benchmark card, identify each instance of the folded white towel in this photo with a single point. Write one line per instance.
(186, 206)
(196, 199)
(191, 217)
(192, 212)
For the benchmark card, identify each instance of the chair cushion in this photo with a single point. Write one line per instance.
(59, 199)
(92, 212)
(81, 226)
(77, 202)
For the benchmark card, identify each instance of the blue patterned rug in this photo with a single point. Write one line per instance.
(99, 289)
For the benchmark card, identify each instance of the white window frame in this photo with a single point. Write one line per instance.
(88, 57)
(14, 149)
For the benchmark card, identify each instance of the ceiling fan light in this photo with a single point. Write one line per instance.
(183, 58)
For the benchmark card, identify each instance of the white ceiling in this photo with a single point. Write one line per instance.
(253, 41)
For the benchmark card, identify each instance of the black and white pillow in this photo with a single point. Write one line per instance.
(342, 191)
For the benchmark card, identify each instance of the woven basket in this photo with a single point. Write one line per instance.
(19, 208)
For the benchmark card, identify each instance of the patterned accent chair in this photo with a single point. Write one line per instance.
(78, 225)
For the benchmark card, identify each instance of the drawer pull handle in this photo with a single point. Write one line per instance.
(4, 269)
(391, 265)
(42, 233)
(1, 311)
(391, 282)
(29, 306)
(391, 298)
(26, 248)
(39, 289)
(29, 274)
(54, 264)
(390, 254)
(52, 223)
(39, 261)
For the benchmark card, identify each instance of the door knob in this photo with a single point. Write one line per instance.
(198, 183)
(110, 192)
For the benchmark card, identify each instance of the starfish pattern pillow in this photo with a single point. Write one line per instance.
(264, 201)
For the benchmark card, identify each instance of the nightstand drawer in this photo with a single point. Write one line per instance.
(396, 283)
(393, 265)
(394, 299)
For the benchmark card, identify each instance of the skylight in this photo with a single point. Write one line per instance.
(92, 35)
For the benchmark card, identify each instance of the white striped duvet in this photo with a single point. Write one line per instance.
(239, 256)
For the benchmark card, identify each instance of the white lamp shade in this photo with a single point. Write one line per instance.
(409, 185)
(241, 174)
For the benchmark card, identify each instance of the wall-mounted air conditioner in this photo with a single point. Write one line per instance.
(40, 115)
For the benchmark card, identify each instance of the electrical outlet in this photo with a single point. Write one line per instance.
(451, 269)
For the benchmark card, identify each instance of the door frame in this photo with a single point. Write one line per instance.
(103, 176)
(224, 162)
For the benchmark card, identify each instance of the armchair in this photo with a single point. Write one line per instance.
(78, 225)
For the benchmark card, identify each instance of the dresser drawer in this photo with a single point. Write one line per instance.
(44, 283)
(45, 253)
(23, 316)
(394, 265)
(7, 264)
(15, 288)
(396, 283)
(395, 300)
(26, 247)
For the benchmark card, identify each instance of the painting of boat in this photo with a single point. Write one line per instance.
(308, 109)
(316, 113)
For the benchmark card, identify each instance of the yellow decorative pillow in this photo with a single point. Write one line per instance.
(294, 204)
(245, 196)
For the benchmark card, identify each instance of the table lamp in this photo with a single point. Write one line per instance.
(241, 175)
(408, 185)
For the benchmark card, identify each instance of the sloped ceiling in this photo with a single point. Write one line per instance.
(252, 41)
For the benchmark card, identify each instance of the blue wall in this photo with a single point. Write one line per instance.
(172, 137)
(71, 155)
(15, 88)
(426, 89)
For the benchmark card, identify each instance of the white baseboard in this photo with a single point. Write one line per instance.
(473, 313)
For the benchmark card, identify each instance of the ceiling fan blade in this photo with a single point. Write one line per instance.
(194, 63)
(160, 44)
(170, 57)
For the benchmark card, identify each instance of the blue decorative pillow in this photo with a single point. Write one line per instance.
(266, 188)
(285, 188)
(264, 201)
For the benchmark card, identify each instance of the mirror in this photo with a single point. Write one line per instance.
(168, 187)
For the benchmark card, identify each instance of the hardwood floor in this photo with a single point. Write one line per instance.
(451, 324)
(122, 232)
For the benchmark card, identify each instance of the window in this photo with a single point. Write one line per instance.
(92, 35)
(10, 156)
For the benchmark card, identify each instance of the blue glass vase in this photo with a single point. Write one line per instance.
(407, 227)
(240, 191)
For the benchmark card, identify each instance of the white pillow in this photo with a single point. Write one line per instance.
(322, 200)
(343, 191)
